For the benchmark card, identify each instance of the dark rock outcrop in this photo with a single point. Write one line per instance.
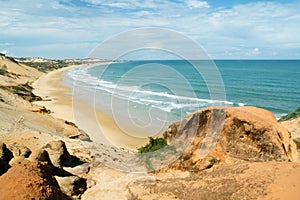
(5, 153)
(5, 156)
(4, 166)
(60, 156)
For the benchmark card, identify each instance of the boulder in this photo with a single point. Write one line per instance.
(59, 154)
(81, 135)
(30, 181)
(79, 170)
(171, 132)
(43, 156)
(219, 134)
(19, 150)
(40, 156)
(72, 185)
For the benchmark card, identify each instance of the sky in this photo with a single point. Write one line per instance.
(225, 29)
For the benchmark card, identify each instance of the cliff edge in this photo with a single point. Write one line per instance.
(223, 135)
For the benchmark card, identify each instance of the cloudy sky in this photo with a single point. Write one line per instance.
(226, 29)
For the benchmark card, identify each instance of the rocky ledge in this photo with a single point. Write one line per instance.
(222, 135)
(39, 174)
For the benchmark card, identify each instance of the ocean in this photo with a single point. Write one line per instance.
(147, 96)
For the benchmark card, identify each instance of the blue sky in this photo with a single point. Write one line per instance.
(226, 29)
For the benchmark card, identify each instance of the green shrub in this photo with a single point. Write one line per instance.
(3, 70)
(155, 152)
(153, 145)
(18, 88)
(191, 168)
(291, 115)
(213, 160)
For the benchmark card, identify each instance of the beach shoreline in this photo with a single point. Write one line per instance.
(100, 127)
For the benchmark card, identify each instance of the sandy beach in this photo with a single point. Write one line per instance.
(99, 126)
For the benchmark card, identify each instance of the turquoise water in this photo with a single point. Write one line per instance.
(160, 92)
(270, 84)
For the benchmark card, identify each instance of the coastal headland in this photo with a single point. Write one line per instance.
(47, 154)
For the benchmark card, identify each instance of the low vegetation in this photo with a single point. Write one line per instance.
(291, 115)
(153, 145)
(24, 91)
(19, 88)
(46, 65)
(49, 65)
(3, 69)
(213, 160)
(155, 152)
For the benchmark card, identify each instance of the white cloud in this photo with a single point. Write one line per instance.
(197, 4)
(125, 4)
(272, 26)
(225, 33)
(256, 51)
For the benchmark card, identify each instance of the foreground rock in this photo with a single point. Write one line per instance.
(244, 180)
(30, 181)
(72, 185)
(20, 159)
(219, 134)
(60, 156)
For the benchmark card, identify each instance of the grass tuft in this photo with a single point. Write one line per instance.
(291, 115)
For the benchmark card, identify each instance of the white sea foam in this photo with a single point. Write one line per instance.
(166, 109)
(278, 116)
(160, 100)
(241, 104)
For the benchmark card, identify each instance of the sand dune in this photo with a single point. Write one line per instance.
(18, 73)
